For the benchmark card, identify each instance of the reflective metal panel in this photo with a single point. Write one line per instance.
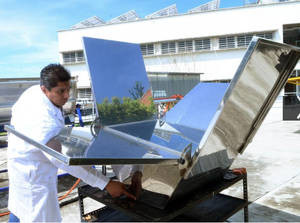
(119, 81)
(201, 136)
(113, 149)
(205, 130)
(258, 81)
(260, 77)
(198, 107)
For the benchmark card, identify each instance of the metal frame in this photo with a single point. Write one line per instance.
(170, 10)
(131, 208)
(213, 5)
(128, 16)
(87, 161)
(245, 193)
(52, 152)
(93, 21)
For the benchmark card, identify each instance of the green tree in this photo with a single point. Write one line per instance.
(123, 111)
(137, 91)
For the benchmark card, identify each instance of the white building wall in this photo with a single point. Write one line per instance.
(216, 64)
(80, 71)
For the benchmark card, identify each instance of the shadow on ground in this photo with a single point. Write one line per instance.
(260, 213)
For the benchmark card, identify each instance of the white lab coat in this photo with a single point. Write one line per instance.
(32, 173)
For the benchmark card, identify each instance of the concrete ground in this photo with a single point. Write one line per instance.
(273, 167)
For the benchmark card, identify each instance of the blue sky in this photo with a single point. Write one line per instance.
(28, 28)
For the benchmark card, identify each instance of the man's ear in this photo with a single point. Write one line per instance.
(43, 89)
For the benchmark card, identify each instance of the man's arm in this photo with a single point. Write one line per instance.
(88, 174)
(116, 189)
(136, 183)
(54, 144)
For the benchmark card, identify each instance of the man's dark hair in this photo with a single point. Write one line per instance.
(52, 74)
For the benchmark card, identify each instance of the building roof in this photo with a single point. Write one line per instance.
(93, 21)
(128, 16)
(170, 10)
(213, 5)
(132, 15)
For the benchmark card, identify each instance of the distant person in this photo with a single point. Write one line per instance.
(38, 114)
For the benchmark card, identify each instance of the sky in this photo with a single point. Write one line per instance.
(28, 28)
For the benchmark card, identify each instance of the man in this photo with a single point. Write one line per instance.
(32, 173)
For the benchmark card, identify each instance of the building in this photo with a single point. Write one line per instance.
(206, 40)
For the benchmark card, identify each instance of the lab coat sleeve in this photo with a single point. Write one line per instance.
(41, 122)
(123, 172)
(87, 174)
(137, 168)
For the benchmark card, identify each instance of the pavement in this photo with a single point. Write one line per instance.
(273, 167)
(273, 170)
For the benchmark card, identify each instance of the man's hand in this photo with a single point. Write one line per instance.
(117, 189)
(136, 183)
(54, 144)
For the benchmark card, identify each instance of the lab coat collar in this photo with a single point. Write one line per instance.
(58, 111)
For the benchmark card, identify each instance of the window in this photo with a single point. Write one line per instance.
(185, 46)
(202, 44)
(198, 45)
(80, 57)
(243, 41)
(75, 57)
(167, 48)
(147, 49)
(69, 58)
(84, 93)
(226, 42)
(265, 35)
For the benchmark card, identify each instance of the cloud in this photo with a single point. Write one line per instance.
(28, 38)
(15, 34)
(29, 63)
(42, 52)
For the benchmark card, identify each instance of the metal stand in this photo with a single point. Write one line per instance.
(245, 189)
(207, 206)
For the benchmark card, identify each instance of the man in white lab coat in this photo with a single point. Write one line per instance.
(32, 173)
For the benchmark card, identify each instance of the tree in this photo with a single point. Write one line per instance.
(123, 111)
(137, 91)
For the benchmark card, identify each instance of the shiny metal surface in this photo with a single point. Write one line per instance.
(258, 81)
(118, 76)
(12, 88)
(204, 99)
(77, 151)
(203, 132)
(10, 91)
